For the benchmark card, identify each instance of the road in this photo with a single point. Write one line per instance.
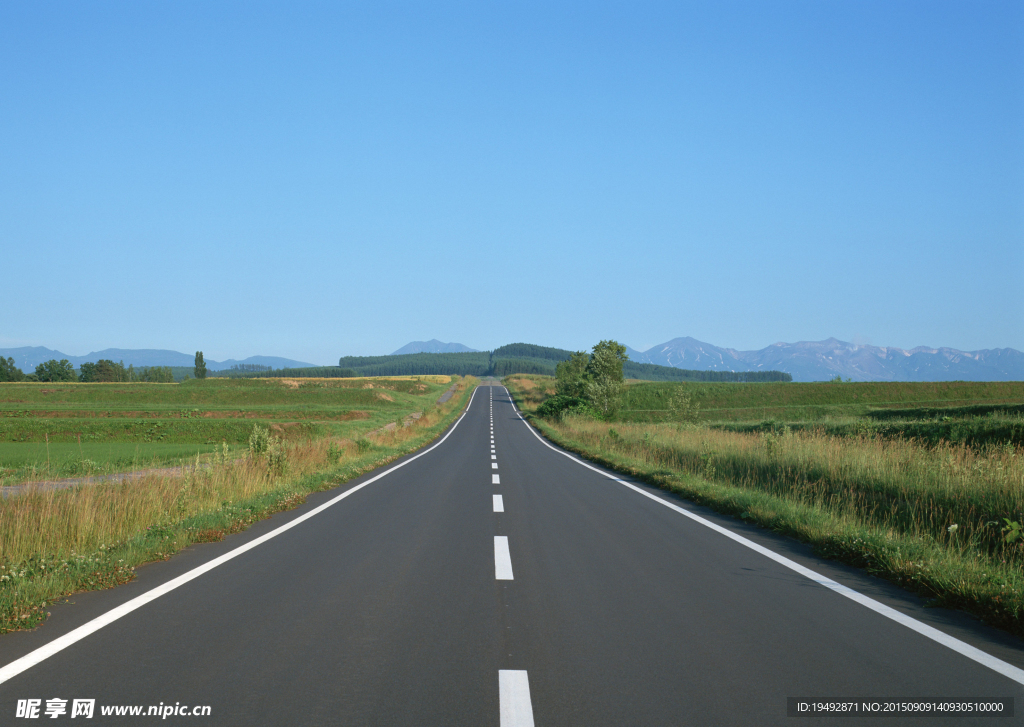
(417, 596)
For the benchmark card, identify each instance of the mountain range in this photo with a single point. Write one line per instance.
(28, 357)
(805, 360)
(433, 346)
(823, 360)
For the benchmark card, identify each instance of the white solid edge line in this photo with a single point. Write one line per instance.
(502, 559)
(961, 647)
(499, 504)
(514, 698)
(47, 650)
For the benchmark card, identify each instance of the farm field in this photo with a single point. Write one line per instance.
(285, 439)
(64, 430)
(939, 514)
(649, 401)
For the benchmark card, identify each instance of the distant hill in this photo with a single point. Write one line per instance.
(823, 360)
(28, 357)
(433, 346)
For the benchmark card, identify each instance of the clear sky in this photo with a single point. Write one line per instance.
(312, 180)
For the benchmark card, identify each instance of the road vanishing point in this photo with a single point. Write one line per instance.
(494, 579)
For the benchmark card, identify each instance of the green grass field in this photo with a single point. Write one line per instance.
(62, 459)
(65, 430)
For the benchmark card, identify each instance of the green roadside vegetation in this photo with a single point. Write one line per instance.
(54, 543)
(919, 483)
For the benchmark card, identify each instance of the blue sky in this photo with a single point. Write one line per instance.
(313, 180)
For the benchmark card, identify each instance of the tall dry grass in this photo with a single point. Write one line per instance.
(885, 506)
(954, 494)
(532, 389)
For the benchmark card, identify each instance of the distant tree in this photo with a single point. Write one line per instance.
(118, 372)
(571, 375)
(103, 370)
(54, 370)
(251, 368)
(156, 374)
(10, 372)
(200, 367)
(87, 372)
(604, 377)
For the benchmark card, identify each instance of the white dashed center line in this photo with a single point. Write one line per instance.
(514, 698)
(502, 559)
(499, 505)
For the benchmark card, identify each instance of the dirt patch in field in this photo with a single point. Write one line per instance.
(526, 384)
(87, 414)
(367, 385)
(287, 430)
(407, 421)
(384, 397)
(230, 415)
(290, 383)
(340, 416)
(350, 415)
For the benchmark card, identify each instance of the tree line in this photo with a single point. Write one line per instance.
(515, 358)
(101, 371)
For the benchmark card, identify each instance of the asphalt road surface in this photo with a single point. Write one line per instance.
(493, 580)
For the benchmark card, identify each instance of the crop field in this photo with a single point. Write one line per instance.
(974, 413)
(648, 401)
(271, 442)
(64, 430)
(940, 514)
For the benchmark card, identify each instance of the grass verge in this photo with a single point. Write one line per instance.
(57, 543)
